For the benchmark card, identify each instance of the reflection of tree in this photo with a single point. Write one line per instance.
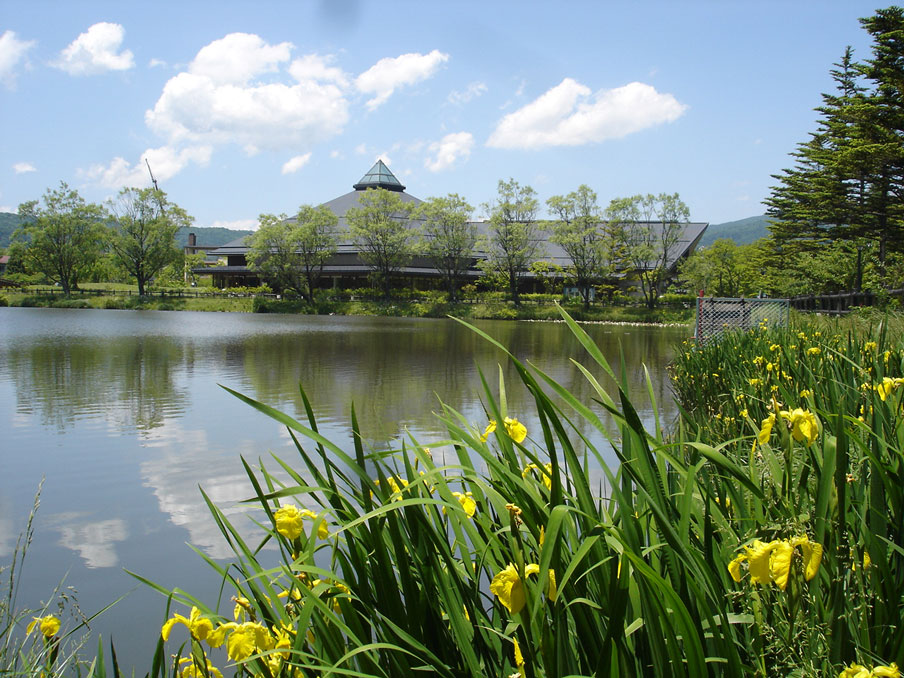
(395, 370)
(127, 381)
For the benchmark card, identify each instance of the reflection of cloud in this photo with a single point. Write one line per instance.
(187, 465)
(6, 531)
(93, 540)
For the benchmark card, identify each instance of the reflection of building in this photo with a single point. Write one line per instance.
(346, 269)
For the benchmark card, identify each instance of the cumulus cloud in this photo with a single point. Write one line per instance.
(96, 51)
(12, 51)
(570, 114)
(222, 99)
(296, 163)
(24, 167)
(165, 162)
(387, 75)
(449, 150)
(474, 90)
(239, 57)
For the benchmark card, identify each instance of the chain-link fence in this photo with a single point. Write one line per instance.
(716, 315)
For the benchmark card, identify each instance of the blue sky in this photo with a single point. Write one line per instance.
(243, 108)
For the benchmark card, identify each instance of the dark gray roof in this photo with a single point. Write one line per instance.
(379, 176)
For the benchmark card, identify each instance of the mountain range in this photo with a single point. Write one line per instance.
(743, 232)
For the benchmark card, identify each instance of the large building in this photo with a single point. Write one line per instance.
(346, 269)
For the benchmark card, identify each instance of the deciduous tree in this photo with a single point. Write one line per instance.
(291, 252)
(579, 230)
(648, 228)
(513, 242)
(62, 238)
(383, 232)
(143, 239)
(449, 237)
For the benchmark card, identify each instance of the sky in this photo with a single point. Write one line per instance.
(244, 108)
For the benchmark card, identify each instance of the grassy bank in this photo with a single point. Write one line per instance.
(486, 310)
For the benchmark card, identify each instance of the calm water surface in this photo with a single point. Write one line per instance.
(121, 413)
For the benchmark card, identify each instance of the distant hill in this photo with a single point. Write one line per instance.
(209, 235)
(9, 222)
(743, 231)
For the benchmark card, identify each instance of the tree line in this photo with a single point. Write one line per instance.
(389, 232)
(62, 237)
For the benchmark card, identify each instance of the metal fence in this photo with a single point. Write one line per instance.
(716, 315)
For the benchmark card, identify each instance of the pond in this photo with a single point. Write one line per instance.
(122, 414)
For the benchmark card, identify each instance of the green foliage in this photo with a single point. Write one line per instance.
(3, 300)
(291, 252)
(643, 246)
(62, 238)
(381, 228)
(848, 177)
(725, 269)
(843, 490)
(514, 235)
(448, 236)
(581, 232)
(143, 238)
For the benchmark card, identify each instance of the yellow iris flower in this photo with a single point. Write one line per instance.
(804, 424)
(545, 474)
(770, 562)
(515, 429)
(509, 588)
(199, 627)
(887, 386)
(48, 625)
(466, 499)
(290, 522)
(859, 671)
(247, 639)
(192, 670)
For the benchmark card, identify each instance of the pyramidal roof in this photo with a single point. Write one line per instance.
(379, 176)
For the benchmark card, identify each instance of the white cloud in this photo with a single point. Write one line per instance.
(11, 210)
(388, 74)
(96, 51)
(474, 90)
(296, 163)
(239, 57)
(156, 63)
(569, 114)
(165, 162)
(237, 225)
(221, 100)
(450, 149)
(12, 51)
(361, 149)
(24, 167)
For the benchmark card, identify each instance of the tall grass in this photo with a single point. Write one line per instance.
(39, 641)
(528, 554)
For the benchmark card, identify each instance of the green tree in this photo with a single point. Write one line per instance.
(847, 182)
(579, 231)
(648, 227)
(724, 269)
(144, 232)
(62, 238)
(449, 237)
(514, 241)
(291, 253)
(381, 228)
